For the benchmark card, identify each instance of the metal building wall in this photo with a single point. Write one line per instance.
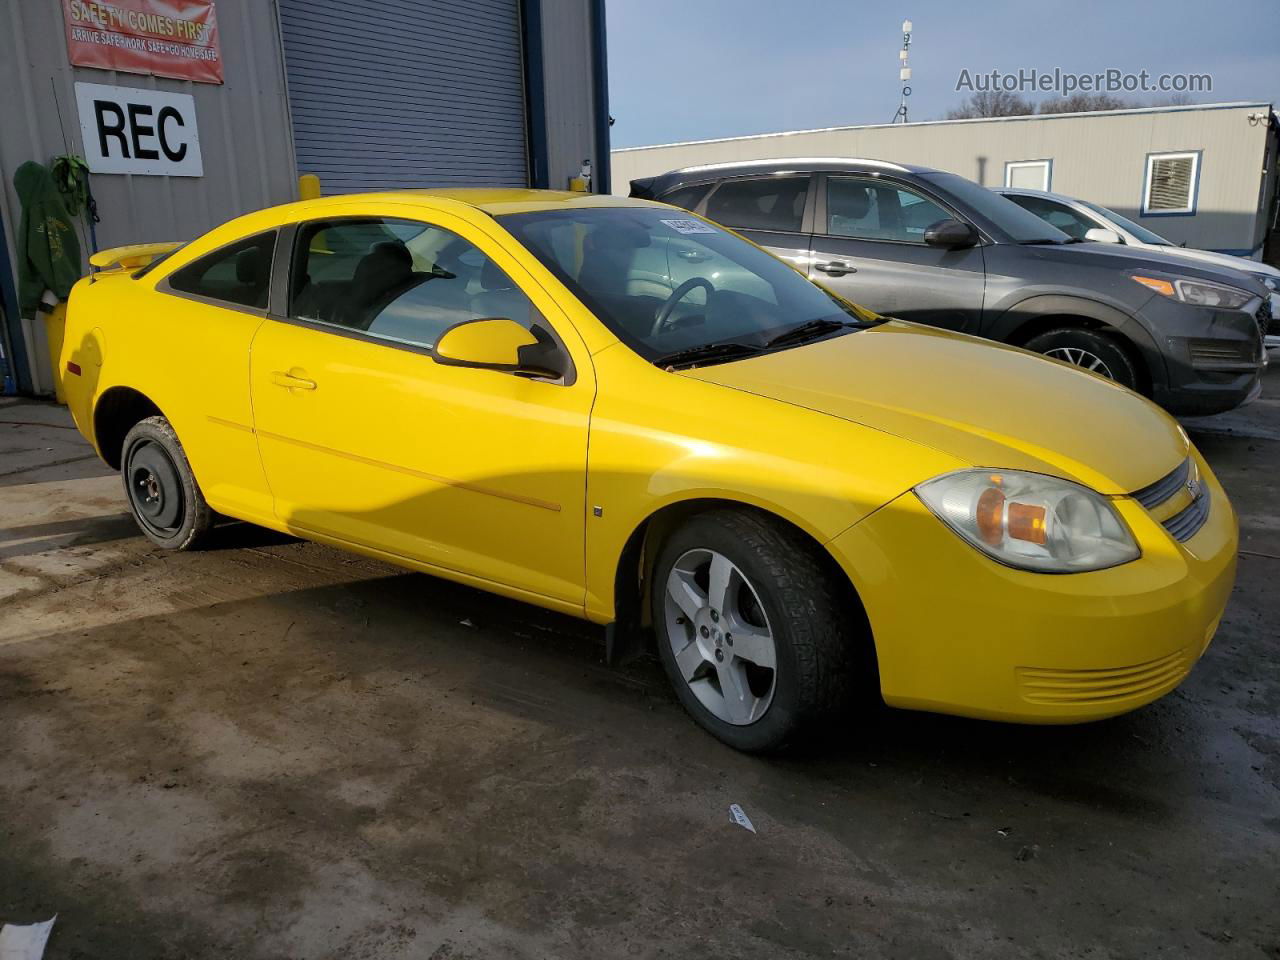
(1099, 157)
(244, 127)
(574, 101)
(386, 96)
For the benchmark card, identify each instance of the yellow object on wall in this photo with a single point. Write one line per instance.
(55, 324)
(308, 187)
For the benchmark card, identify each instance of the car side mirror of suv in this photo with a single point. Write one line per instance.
(1102, 235)
(950, 234)
(498, 343)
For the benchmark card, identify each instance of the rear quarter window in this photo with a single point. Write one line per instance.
(686, 198)
(238, 275)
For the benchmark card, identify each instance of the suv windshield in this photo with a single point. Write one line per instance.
(679, 289)
(1139, 231)
(1017, 224)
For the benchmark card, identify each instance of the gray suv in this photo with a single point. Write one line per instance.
(933, 247)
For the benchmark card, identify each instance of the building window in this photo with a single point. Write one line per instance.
(1029, 174)
(1171, 183)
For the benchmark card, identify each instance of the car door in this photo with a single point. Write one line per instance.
(868, 246)
(368, 440)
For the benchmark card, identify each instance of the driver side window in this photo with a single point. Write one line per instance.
(397, 280)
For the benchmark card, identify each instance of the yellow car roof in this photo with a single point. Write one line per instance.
(492, 200)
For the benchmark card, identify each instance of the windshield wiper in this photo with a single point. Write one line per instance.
(1043, 242)
(810, 328)
(708, 351)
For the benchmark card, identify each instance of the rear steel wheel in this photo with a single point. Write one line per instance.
(155, 491)
(163, 493)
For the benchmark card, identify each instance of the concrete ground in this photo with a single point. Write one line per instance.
(273, 749)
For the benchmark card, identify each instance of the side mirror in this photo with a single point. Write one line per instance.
(496, 343)
(950, 234)
(1102, 235)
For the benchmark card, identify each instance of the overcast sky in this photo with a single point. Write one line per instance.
(697, 69)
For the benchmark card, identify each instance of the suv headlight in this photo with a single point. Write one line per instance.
(1200, 292)
(1031, 521)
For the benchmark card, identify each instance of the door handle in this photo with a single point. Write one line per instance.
(282, 379)
(836, 268)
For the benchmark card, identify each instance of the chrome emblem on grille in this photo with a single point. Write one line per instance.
(1193, 488)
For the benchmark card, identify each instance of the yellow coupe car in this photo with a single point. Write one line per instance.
(618, 410)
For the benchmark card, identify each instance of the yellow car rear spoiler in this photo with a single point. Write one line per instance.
(132, 257)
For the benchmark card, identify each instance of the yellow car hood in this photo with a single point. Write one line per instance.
(987, 404)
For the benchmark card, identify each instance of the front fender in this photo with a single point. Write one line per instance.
(660, 439)
(1010, 322)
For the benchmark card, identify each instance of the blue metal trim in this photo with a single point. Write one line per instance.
(16, 354)
(535, 94)
(600, 173)
(1146, 183)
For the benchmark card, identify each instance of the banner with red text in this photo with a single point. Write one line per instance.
(167, 38)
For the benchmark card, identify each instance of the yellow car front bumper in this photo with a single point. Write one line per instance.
(956, 632)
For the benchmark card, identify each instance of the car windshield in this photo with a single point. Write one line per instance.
(668, 285)
(1142, 233)
(1018, 225)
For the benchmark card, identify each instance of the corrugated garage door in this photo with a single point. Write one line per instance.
(399, 93)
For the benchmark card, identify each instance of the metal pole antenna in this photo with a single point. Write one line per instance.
(904, 72)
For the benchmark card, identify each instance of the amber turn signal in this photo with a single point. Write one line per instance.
(1159, 286)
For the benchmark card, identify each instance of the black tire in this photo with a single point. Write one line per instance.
(161, 489)
(1117, 362)
(808, 615)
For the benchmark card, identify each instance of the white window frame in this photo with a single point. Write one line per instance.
(1193, 194)
(1012, 165)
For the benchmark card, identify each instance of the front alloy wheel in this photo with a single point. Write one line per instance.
(756, 627)
(1081, 358)
(720, 636)
(1091, 350)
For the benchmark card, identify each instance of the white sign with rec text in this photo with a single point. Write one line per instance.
(128, 130)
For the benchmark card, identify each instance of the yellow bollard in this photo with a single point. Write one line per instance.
(308, 187)
(55, 326)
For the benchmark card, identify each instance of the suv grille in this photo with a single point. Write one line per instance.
(1263, 316)
(1186, 523)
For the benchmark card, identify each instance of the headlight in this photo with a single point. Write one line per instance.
(1031, 521)
(1199, 292)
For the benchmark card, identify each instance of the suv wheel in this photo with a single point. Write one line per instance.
(1096, 352)
(163, 493)
(750, 629)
